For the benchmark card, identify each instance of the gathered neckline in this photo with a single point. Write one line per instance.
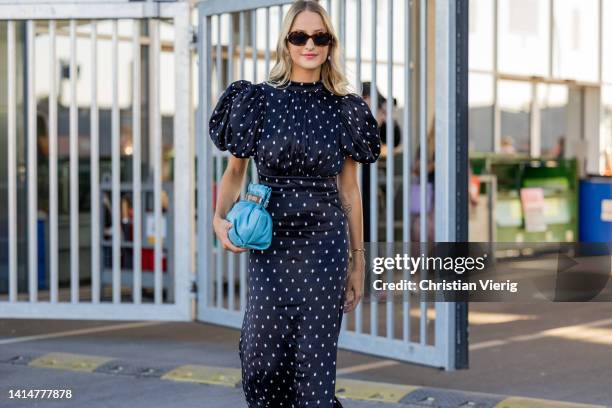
(303, 86)
(307, 84)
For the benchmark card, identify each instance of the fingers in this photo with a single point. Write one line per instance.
(227, 244)
(352, 299)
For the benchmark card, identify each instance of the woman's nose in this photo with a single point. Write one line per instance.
(308, 46)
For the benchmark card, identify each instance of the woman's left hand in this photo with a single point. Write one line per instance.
(354, 284)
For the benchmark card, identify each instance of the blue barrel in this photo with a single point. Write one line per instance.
(595, 210)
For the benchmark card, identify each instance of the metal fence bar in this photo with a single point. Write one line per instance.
(224, 255)
(74, 170)
(95, 168)
(241, 23)
(359, 308)
(12, 159)
(230, 50)
(342, 27)
(231, 281)
(406, 165)
(53, 182)
(136, 164)
(254, 43)
(204, 168)
(184, 166)
(390, 158)
(116, 177)
(219, 56)
(423, 151)
(451, 165)
(221, 252)
(243, 272)
(374, 170)
(255, 58)
(231, 6)
(445, 163)
(230, 79)
(157, 157)
(32, 165)
(95, 11)
(267, 49)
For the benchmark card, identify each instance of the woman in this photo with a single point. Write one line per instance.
(306, 134)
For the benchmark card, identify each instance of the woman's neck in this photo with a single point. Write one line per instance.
(302, 75)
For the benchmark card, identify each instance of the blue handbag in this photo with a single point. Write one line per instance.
(251, 222)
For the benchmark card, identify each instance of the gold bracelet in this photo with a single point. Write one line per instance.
(358, 249)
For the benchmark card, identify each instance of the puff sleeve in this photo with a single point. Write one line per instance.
(360, 137)
(238, 118)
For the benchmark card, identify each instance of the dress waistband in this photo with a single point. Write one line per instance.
(327, 183)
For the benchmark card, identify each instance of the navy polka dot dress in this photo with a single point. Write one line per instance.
(299, 136)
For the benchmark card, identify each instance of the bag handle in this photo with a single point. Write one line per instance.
(259, 194)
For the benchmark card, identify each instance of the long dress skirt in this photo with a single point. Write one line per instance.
(288, 343)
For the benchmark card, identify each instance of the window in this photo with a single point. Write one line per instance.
(481, 112)
(515, 107)
(607, 42)
(523, 37)
(576, 39)
(553, 101)
(481, 35)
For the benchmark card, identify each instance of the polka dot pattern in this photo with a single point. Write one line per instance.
(300, 136)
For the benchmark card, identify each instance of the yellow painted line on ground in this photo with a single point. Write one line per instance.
(476, 317)
(520, 402)
(372, 391)
(79, 332)
(230, 377)
(70, 361)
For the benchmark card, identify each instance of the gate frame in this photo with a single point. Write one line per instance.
(184, 238)
(451, 145)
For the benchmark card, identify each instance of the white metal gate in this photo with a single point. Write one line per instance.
(429, 334)
(41, 30)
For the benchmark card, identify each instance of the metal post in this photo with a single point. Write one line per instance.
(32, 164)
(12, 159)
(406, 163)
(451, 190)
(184, 182)
(204, 167)
(136, 164)
(116, 177)
(423, 149)
(390, 210)
(374, 169)
(53, 182)
(95, 169)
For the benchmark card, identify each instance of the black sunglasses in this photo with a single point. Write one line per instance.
(301, 38)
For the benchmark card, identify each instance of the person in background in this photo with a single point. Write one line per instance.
(381, 118)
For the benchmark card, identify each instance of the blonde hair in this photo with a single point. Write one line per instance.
(332, 76)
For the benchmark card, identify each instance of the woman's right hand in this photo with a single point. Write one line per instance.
(221, 227)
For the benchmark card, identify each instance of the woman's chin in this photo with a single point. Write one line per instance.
(309, 64)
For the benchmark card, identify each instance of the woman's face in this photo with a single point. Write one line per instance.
(308, 56)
